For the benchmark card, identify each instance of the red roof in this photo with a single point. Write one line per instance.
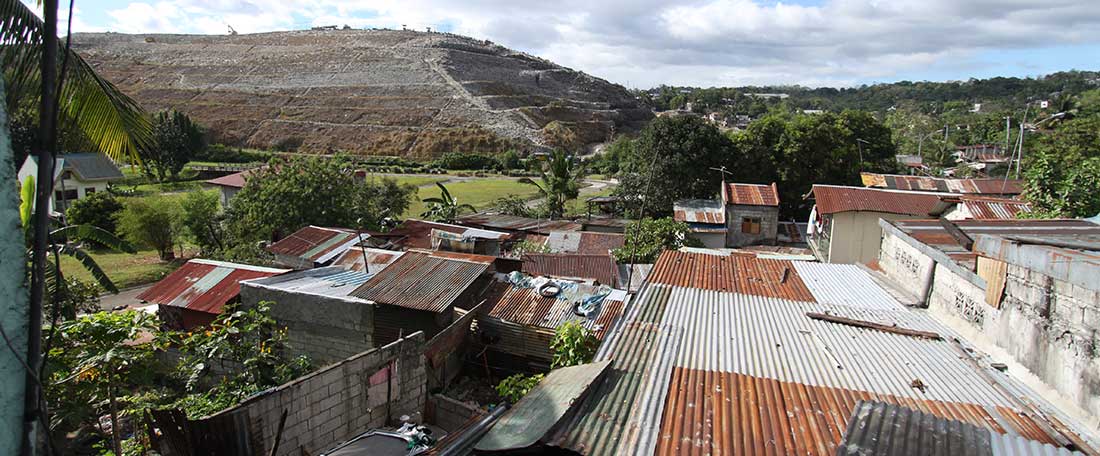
(417, 234)
(994, 208)
(831, 199)
(204, 285)
(235, 180)
(744, 274)
(589, 267)
(314, 243)
(584, 242)
(751, 194)
(424, 281)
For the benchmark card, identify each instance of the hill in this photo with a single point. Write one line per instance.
(377, 92)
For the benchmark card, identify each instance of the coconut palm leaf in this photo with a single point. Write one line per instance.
(107, 117)
(434, 201)
(93, 233)
(528, 181)
(89, 264)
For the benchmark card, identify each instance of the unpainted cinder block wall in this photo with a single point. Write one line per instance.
(451, 414)
(324, 329)
(908, 267)
(334, 404)
(769, 224)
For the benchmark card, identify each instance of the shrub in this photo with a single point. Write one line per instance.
(645, 239)
(573, 344)
(464, 161)
(153, 222)
(513, 388)
(98, 209)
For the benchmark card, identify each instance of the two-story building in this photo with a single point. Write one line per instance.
(752, 213)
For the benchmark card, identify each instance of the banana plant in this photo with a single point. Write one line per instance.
(560, 182)
(446, 208)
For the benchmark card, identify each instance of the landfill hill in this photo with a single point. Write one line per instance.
(376, 92)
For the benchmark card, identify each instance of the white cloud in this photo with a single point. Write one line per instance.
(697, 42)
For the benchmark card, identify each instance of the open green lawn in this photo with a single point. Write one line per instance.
(124, 269)
(413, 179)
(479, 193)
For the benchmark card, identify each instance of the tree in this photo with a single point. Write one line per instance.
(445, 208)
(98, 209)
(1063, 170)
(514, 205)
(292, 193)
(153, 222)
(202, 220)
(671, 160)
(647, 238)
(175, 140)
(559, 182)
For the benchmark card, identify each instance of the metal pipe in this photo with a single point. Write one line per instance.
(474, 433)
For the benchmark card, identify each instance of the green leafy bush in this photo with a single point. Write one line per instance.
(573, 344)
(456, 160)
(513, 388)
(98, 209)
(153, 222)
(646, 238)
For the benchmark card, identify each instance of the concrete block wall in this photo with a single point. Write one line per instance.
(332, 405)
(769, 224)
(451, 414)
(326, 329)
(908, 267)
(959, 298)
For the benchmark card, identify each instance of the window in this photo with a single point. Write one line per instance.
(66, 175)
(67, 195)
(89, 191)
(750, 225)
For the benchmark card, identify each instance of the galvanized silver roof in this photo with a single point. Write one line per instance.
(845, 284)
(332, 281)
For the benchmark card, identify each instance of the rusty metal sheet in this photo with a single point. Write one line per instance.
(982, 208)
(699, 211)
(204, 285)
(584, 242)
(751, 194)
(831, 199)
(516, 223)
(314, 244)
(735, 273)
(423, 281)
(600, 268)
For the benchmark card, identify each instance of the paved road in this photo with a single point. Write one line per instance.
(126, 297)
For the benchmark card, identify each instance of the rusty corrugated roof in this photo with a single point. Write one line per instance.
(377, 259)
(601, 268)
(584, 242)
(699, 211)
(204, 285)
(417, 234)
(946, 185)
(831, 199)
(516, 223)
(423, 281)
(751, 194)
(525, 306)
(983, 208)
(315, 244)
(735, 273)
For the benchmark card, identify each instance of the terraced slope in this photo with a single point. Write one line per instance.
(379, 92)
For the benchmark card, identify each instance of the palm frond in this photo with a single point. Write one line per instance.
(108, 118)
(444, 193)
(89, 264)
(26, 203)
(528, 181)
(94, 233)
(468, 207)
(433, 200)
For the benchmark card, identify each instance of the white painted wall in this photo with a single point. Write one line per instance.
(856, 236)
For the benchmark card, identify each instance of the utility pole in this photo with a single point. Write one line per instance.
(860, 142)
(1008, 131)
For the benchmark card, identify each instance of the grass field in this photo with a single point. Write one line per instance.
(124, 269)
(415, 180)
(479, 193)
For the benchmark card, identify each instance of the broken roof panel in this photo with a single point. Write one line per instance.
(417, 234)
(945, 185)
(525, 306)
(831, 199)
(751, 194)
(315, 244)
(600, 268)
(424, 281)
(204, 285)
(377, 259)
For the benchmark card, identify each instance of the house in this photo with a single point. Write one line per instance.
(752, 213)
(705, 218)
(976, 187)
(230, 184)
(195, 294)
(600, 269)
(422, 234)
(843, 225)
(521, 319)
(313, 246)
(1028, 287)
(75, 176)
(739, 355)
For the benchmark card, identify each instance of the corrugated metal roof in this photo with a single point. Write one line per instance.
(938, 184)
(525, 306)
(831, 199)
(739, 273)
(377, 259)
(994, 208)
(571, 265)
(751, 194)
(417, 234)
(542, 408)
(422, 281)
(516, 223)
(699, 211)
(315, 244)
(845, 284)
(204, 285)
(584, 242)
(332, 281)
(880, 428)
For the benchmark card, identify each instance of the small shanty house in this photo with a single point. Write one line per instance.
(705, 218)
(75, 176)
(422, 234)
(752, 213)
(195, 294)
(524, 312)
(313, 246)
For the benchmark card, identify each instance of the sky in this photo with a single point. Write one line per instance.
(702, 43)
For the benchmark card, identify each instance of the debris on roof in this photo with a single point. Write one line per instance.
(600, 268)
(937, 184)
(204, 285)
(584, 242)
(417, 234)
(751, 194)
(831, 199)
(419, 280)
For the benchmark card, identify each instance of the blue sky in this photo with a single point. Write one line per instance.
(642, 43)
